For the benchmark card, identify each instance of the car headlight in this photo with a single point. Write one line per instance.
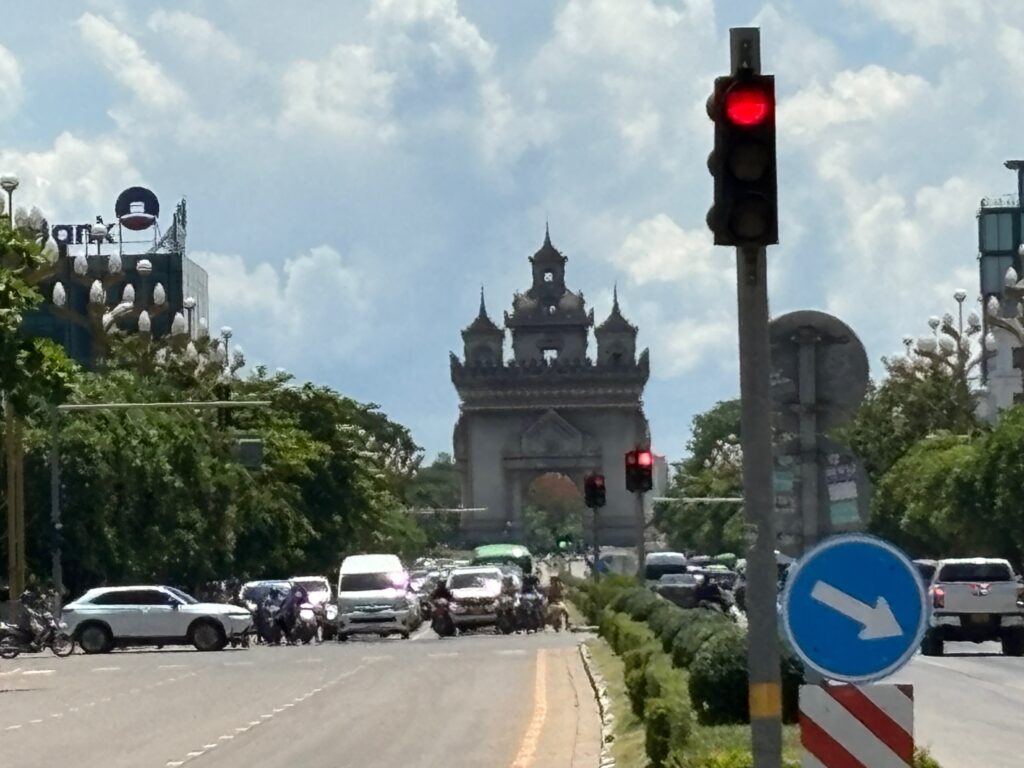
(332, 612)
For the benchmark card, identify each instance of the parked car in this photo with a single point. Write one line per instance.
(926, 569)
(109, 617)
(657, 564)
(253, 593)
(501, 554)
(678, 588)
(374, 597)
(475, 591)
(974, 600)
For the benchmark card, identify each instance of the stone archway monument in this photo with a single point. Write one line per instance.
(550, 408)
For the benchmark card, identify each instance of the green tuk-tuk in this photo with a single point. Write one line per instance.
(500, 554)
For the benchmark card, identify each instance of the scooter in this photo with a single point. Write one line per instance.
(506, 617)
(558, 616)
(530, 612)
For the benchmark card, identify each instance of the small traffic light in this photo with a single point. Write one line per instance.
(639, 471)
(743, 163)
(594, 491)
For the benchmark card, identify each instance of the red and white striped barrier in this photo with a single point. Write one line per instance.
(857, 726)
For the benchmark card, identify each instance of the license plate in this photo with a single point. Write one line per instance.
(979, 618)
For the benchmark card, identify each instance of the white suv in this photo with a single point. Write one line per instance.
(151, 615)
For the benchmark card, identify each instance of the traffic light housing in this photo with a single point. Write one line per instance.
(745, 211)
(639, 471)
(594, 491)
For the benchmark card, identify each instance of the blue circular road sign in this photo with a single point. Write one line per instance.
(854, 608)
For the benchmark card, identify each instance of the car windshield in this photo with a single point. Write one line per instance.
(312, 585)
(927, 570)
(471, 580)
(184, 596)
(975, 572)
(366, 582)
(677, 578)
(654, 571)
(256, 592)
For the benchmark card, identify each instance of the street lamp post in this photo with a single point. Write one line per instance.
(9, 183)
(190, 305)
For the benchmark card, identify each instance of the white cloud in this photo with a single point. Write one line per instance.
(126, 61)
(930, 22)
(345, 94)
(659, 250)
(10, 83)
(431, 30)
(868, 95)
(197, 37)
(72, 177)
(317, 302)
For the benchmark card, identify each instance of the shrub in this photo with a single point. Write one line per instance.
(667, 726)
(700, 625)
(923, 760)
(662, 613)
(635, 688)
(726, 758)
(663, 680)
(639, 603)
(718, 680)
(670, 628)
(630, 634)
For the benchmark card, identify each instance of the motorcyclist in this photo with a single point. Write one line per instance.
(555, 590)
(508, 585)
(441, 592)
(293, 602)
(530, 583)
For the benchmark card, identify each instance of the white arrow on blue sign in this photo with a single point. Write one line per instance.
(854, 608)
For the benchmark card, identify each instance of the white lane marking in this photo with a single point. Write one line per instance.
(266, 717)
(376, 658)
(278, 710)
(448, 655)
(172, 666)
(253, 722)
(513, 652)
(39, 672)
(14, 671)
(308, 661)
(56, 714)
(175, 763)
(106, 669)
(238, 663)
(36, 721)
(195, 754)
(210, 746)
(243, 729)
(227, 737)
(12, 727)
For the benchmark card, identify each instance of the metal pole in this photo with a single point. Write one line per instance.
(809, 512)
(55, 554)
(641, 535)
(756, 438)
(11, 494)
(597, 540)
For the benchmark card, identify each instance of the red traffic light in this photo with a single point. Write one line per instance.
(747, 105)
(644, 458)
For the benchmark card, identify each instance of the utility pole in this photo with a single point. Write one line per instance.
(594, 495)
(639, 480)
(745, 215)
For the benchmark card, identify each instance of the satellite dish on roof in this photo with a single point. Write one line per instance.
(137, 208)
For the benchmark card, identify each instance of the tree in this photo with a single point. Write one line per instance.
(920, 396)
(554, 510)
(436, 486)
(713, 468)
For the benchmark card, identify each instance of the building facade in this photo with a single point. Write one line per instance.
(549, 408)
(1000, 235)
(104, 279)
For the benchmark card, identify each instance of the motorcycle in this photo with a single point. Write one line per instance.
(304, 627)
(441, 622)
(506, 615)
(327, 620)
(47, 632)
(268, 627)
(530, 612)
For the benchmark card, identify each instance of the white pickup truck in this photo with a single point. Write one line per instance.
(974, 600)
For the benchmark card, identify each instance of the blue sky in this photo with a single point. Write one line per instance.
(355, 170)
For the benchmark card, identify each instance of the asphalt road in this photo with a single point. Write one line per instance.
(969, 706)
(465, 702)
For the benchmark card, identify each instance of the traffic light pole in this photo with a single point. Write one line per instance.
(756, 438)
(641, 535)
(597, 540)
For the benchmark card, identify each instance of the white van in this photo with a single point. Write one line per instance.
(373, 597)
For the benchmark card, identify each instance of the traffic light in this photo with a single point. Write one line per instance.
(743, 163)
(594, 491)
(639, 471)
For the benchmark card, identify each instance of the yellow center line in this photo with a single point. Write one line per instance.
(531, 739)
